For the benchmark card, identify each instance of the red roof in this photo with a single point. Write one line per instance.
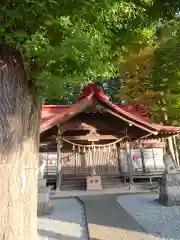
(50, 111)
(137, 114)
(137, 110)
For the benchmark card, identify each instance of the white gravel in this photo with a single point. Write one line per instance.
(67, 221)
(161, 221)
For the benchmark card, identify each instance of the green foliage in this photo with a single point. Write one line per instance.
(164, 9)
(69, 43)
(110, 87)
(152, 76)
(166, 71)
(73, 42)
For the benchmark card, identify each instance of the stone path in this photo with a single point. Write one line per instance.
(107, 220)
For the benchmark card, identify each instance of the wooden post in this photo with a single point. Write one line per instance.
(58, 169)
(129, 163)
(119, 159)
(93, 173)
(154, 158)
(176, 150)
(164, 147)
(142, 157)
(171, 148)
(47, 161)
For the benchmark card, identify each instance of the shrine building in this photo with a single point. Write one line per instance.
(96, 144)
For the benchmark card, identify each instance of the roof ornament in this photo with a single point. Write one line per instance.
(93, 136)
(89, 89)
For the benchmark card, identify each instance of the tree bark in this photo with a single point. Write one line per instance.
(19, 147)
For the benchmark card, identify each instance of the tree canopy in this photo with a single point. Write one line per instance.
(165, 74)
(74, 41)
(53, 46)
(151, 76)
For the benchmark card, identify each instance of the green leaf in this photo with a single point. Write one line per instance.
(82, 41)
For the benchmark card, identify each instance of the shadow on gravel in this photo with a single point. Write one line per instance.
(103, 210)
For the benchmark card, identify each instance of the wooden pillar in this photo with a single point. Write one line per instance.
(93, 173)
(154, 158)
(129, 160)
(47, 161)
(58, 169)
(165, 146)
(118, 147)
(142, 157)
(176, 150)
(172, 150)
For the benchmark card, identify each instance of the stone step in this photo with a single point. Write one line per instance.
(79, 182)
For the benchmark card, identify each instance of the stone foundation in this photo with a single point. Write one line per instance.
(170, 189)
(94, 183)
(44, 204)
(41, 183)
(44, 208)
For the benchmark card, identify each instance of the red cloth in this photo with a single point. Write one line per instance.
(134, 158)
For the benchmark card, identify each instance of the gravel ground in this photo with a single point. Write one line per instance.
(67, 222)
(161, 221)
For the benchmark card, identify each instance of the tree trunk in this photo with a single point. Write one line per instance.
(19, 146)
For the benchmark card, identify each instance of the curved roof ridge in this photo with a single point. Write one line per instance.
(87, 95)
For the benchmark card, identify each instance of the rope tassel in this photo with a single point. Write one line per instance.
(73, 148)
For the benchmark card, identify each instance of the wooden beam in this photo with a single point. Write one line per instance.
(51, 139)
(84, 137)
(89, 123)
(101, 123)
(131, 122)
(77, 125)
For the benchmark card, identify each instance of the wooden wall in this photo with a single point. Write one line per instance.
(105, 161)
